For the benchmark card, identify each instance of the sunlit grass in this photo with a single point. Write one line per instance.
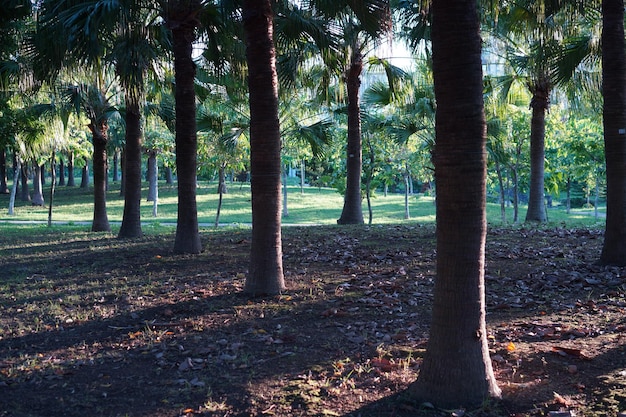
(309, 205)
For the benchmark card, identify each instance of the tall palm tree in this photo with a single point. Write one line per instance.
(614, 111)
(359, 25)
(182, 18)
(456, 371)
(266, 267)
(538, 35)
(126, 35)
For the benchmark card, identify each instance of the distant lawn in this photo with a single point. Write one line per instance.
(310, 206)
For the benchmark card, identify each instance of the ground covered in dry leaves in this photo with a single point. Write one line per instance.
(95, 326)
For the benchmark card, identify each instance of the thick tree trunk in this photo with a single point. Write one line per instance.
(182, 21)
(99, 138)
(37, 199)
(456, 372)
(266, 259)
(84, 177)
(71, 181)
(61, 172)
(614, 91)
(24, 193)
(131, 219)
(539, 104)
(352, 212)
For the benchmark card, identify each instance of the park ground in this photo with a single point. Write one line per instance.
(91, 325)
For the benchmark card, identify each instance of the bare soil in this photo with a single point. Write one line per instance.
(95, 326)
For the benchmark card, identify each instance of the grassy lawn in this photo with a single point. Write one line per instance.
(309, 206)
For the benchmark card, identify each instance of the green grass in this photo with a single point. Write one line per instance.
(313, 206)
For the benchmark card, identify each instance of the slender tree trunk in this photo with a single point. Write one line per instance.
(99, 138)
(456, 372)
(285, 207)
(502, 192)
(182, 21)
(169, 178)
(539, 105)
(407, 213)
(302, 172)
(614, 92)
(352, 212)
(4, 189)
(568, 203)
(17, 169)
(131, 219)
(71, 181)
(52, 185)
(266, 258)
(38, 199)
(221, 189)
(116, 165)
(152, 175)
(123, 172)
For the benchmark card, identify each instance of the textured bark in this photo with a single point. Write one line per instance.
(352, 212)
(614, 92)
(539, 105)
(182, 21)
(266, 260)
(131, 220)
(99, 138)
(456, 371)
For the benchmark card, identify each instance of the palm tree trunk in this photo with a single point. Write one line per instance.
(614, 92)
(61, 172)
(131, 220)
(52, 185)
(181, 20)
(24, 194)
(266, 259)
(539, 104)
(38, 199)
(352, 212)
(100, 218)
(71, 181)
(457, 371)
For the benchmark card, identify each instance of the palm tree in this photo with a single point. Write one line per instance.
(457, 369)
(126, 35)
(182, 18)
(266, 266)
(544, 47)
(359, 25)
(614, 92)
